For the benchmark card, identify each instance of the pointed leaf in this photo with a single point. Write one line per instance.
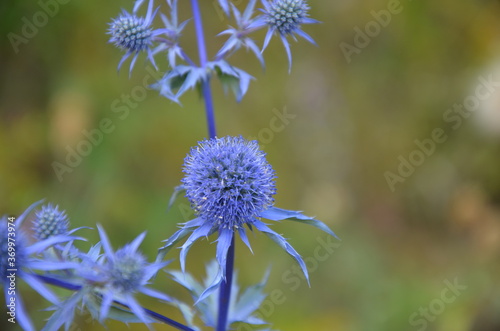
(278, 214)
(277, 238)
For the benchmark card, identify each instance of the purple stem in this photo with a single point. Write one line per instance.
(74, 287)
(225, 290)
(205, 85)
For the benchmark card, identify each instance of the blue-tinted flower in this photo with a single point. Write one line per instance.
(285, 17)
(134, 34)
(18, 260)
(109, 282)
(125, 273)
(228, 182)
(230, 185)
(137, 5)
(172, 33)
(50, 221)
(238, 36)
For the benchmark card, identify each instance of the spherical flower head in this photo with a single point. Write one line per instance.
(50, 221)
(228, 181)
(131, 33)
(286, 16)
(127, 270)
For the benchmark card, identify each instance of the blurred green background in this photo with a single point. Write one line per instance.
(401, 248)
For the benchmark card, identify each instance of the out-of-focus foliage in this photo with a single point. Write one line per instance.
(331, 130)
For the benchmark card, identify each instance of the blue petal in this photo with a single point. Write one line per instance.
(106, 244)
(236, 13)
(150, 15)
(213, 287)
(308, 20)
(255, 49)
(288, 52)
(137, 4)
(278, 214)
(194, 223)
(107, 299)
(22, 315)
(156, 294)
(134, 245)
(123, 59)
(40, 288)
(46, 243)
(269, 34)
(64, 313)
(194, 76)
(28, 210)
(284, 244)
(151, 270)
(223, 243)
(249, 10)
(176, 237)
(137, 309)
(244, 238)
(202, 231)
(249, 302)
(132, 63)
(225, 7)
(245, 79)
(232, 42)
(305, 36)
(188, 282)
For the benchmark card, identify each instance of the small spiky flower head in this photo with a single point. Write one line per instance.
(134, 34)
(130, 33)
(50, 221)
(126, 272)
(286, 18)
(228, 181)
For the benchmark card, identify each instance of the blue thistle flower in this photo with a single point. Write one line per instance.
(125, 273)
(172, 31)
(107, 284)
(134, 34)
(17, 262)
(230, 185)
(228, 181)
(50, 221)
(239, 35)
(286, 17)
